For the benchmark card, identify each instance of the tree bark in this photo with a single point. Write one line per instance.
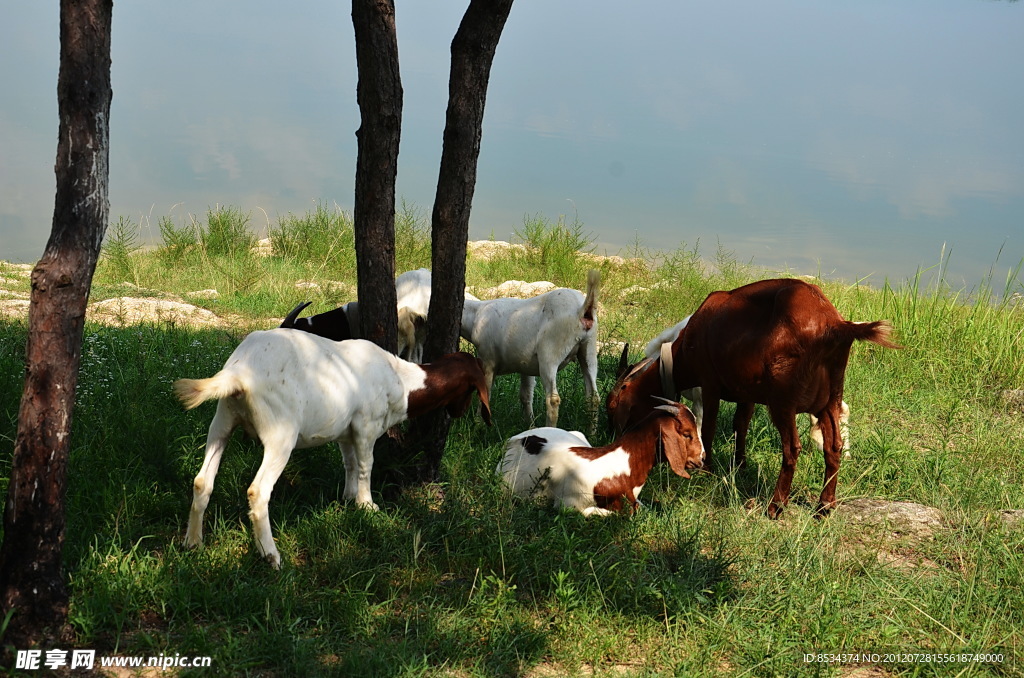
(472, 51)
(472, 56)
(31, 580)
(379, 93)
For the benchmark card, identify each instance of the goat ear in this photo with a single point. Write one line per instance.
(672, 448)
(623, 362)
(457, 408)
(289, 320)
(485, 397)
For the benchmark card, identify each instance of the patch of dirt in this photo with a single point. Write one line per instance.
(263, 248)
(148, 672)
(133, 306)
(1013, 398)
(867, 671)
(13, 301)
(330, 286)
(899, 518)
(203, 294)
(893, 531)
(21, 270)
(559, 671)
(1012, 518)
(906, 559)
(14, 308)
(516, 288)
(485, 250)
(122, 311)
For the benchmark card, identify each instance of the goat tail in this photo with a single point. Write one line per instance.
(877, 332)
(588, 311)
(194, 392)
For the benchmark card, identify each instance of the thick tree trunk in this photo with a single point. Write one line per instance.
(31, 580)
(379, 93)
(472, 55)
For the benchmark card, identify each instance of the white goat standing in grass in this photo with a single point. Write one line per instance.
(294, 389)
(537, 337)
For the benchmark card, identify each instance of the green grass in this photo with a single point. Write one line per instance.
(472, 582)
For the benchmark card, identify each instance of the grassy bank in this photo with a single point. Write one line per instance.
(470, 582)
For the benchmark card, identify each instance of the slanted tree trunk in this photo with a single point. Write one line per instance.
(379, 93)
(31, 581)
(472, 55)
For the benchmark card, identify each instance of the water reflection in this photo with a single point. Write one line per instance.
(847, 138)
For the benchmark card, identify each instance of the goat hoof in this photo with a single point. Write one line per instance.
(824, 510)
(774, 511)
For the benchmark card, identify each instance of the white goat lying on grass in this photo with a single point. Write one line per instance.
(668, 336)
(537, 337)
(296, 389)
(562, 466)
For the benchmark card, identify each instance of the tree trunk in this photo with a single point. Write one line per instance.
(379, 93)
(472, 55)
(31, 580)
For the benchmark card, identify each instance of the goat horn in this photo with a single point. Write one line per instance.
(623, 362)
(289, 320)
(669, 406)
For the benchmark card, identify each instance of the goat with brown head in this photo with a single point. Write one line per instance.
(561, 465)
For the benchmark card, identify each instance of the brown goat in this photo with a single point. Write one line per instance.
(777, 342)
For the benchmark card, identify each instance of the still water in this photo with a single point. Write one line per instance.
(855, 139)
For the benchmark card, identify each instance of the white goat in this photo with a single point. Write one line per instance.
(668, 336)
(537, 337)
(296, 389)
(413, 292)
(561, 465)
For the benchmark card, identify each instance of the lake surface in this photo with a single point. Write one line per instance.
(855, 139)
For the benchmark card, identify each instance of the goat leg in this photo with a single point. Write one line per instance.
(832, 446)
(786, 424)
(740, 426)
(710, 402)
(202, 487)
(276, 450)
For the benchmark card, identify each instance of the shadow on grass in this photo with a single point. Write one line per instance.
(467, 578)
